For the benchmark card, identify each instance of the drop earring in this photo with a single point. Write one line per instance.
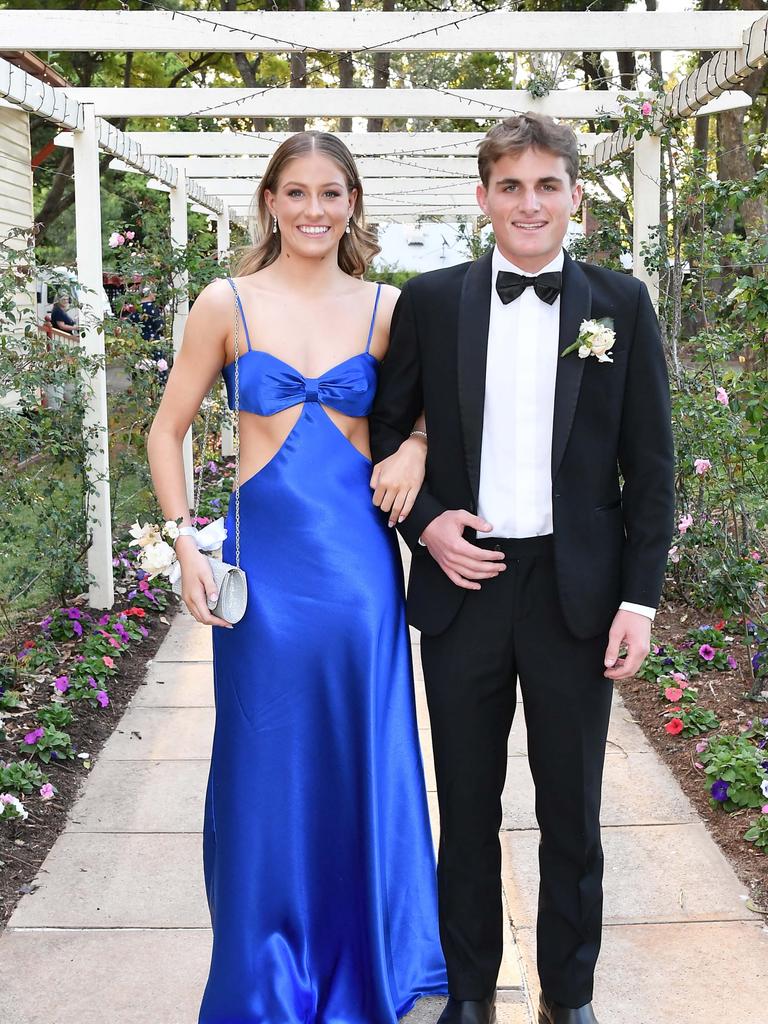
(346, 230)
(274, 225)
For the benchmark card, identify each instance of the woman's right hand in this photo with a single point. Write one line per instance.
(197, 583)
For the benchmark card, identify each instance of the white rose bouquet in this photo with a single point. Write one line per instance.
(595, 338)
(156, 553)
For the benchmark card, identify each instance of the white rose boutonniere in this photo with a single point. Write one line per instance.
(595, 338)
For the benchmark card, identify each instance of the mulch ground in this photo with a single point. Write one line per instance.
(25, 845)
(725, 693)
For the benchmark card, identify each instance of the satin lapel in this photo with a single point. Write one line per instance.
(575, 306)
(474, 316)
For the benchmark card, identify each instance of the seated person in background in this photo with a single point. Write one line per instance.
(61, 320)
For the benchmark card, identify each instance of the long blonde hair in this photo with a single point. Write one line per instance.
(356, 249)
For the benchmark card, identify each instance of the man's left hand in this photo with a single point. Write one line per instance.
(633, 631)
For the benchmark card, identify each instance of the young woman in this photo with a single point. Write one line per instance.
(318, 859)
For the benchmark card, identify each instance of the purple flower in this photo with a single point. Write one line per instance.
(707, 652)
(80, 657)
(704, 627)
(132, 594)
(732, 663)
(104, 619)
(92, 682)
(77, 628)
(102, 698)
(719, 790)
(73, 613)
(46, 622)
(144, 631)
(215, 502)
(140, 574)
(757, 660)
(32, 737)
(61, 683)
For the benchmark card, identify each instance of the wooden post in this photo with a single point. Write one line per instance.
(647, 206)
(89, 272)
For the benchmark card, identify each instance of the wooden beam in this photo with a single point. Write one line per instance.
(229, 143)
(337, 32)
(693, 95)
(55, 105)
(576, 104)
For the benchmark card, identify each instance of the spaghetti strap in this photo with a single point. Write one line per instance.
(242, 314)
(373, 318)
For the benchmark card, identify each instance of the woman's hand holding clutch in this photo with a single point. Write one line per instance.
(396, 481)
(197, 583)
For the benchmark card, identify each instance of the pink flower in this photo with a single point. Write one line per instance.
(47, 791)
(647, 109)
(721, 396)
(755, 556)
(116, 239)
(680, 678)
(162, 364)
(108, 661)
(115, 643)
(102, 698)
(707, 652)
(702, 466)
(673, 554)
(32, 737)
(732, 663)
(673, 694)
(764, 809)
(701, 746)
(61, 683)
(201, 521)
(686, 522)
(130, 235)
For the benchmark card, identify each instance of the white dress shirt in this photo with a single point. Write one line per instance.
(516, 457)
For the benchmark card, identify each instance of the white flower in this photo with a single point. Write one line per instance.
(12, 807)
(157, 558)
(171, 530)
(764, 788)
(595, 338)
(144, 535)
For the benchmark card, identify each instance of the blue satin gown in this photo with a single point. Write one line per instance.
(319, 867)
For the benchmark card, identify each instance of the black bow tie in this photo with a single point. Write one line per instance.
(511, 286)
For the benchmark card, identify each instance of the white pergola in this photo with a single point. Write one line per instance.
(407, 175)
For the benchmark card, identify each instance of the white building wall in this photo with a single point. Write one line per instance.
(16, 210)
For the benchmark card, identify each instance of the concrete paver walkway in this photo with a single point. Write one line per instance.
(118, 930)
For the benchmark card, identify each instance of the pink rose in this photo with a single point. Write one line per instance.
(647, 109)
(116, 239)
(130, 235)
(721, 396)
(686, 522)
(162, 364)
(702, 466)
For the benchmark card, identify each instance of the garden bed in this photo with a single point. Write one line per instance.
(25, 844)
(723, 692)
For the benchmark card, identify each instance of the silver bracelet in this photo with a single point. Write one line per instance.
(418, 433)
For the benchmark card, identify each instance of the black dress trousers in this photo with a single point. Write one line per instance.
(513, 627)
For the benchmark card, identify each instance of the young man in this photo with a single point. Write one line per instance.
(531, 559)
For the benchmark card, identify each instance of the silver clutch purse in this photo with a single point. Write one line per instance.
(232, 589)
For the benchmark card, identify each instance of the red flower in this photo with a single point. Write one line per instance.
(720, 624)
(674, 727)
(673, 693)
(28, 645)
(135, 611)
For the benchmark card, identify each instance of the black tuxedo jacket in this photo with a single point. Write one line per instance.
(612, 454)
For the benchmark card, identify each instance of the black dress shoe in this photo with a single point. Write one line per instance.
(553, 1013)
(469, 1011)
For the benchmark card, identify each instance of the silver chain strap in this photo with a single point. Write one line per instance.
(236, 430)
